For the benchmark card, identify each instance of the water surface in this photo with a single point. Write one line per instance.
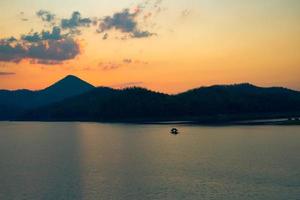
(117, 161)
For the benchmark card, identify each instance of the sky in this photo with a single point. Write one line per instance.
(164, 45)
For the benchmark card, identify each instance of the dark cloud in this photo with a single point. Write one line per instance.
(7, 73)
(48, 47)
(76, 21)
(41, 51)
(54, 50)
(55, 34)
(51, 47)
(124, 21)
(11, 51)
(141, 34)
(45, 15)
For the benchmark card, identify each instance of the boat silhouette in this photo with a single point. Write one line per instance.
(174, 131)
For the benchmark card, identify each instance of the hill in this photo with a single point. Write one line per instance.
(13, 103)
(223, 102)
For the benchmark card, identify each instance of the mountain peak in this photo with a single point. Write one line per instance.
(68, 86)
(70, 82)
(71, 77)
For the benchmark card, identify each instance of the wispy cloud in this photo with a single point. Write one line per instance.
(129, 84)
(45, 15)
(127, 62)
(7, 73)
(109, 66)
(185, 13)
(105, 36)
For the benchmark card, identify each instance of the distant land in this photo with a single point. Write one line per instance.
(72, 99)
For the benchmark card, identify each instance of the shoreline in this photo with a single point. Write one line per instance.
(252, 122)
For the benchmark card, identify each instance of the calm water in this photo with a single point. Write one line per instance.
(116, 161)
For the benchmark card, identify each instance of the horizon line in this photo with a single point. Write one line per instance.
(143, 87)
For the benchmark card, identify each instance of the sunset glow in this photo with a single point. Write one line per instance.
(163, 45)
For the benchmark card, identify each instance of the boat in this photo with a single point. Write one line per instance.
(174, 131)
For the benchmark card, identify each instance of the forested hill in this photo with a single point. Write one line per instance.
(14, 103)
(138, 104)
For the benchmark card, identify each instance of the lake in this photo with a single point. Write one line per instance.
(53, 161)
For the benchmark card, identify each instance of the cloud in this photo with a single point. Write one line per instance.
(126, 60)
(45, 15)
(42, 51)
(11, 51)
(124, 21)
(55, 50)
(47, 47)
(76, 21)
(54, 46)
(22, 17)
(109, 66)
(185, 13)
(7, 73)
(140, 62)
(127, 85)
(105, 36)
(45, 62)
(142, 34)
(55, 34)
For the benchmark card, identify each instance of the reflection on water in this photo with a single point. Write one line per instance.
(119, 161)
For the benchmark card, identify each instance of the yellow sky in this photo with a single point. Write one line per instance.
(197, 43)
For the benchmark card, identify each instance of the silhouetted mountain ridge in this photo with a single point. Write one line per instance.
(72, 99)
(12, 103)
(134, 104)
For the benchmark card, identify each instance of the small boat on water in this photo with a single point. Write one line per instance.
(174, 131)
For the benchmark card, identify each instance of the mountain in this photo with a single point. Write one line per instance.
(72, 99)
(239, 98)
(12, 103)
(104, 104)
(66, 87)
(221, 102)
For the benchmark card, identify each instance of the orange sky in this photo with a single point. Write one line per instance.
(194, 43)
